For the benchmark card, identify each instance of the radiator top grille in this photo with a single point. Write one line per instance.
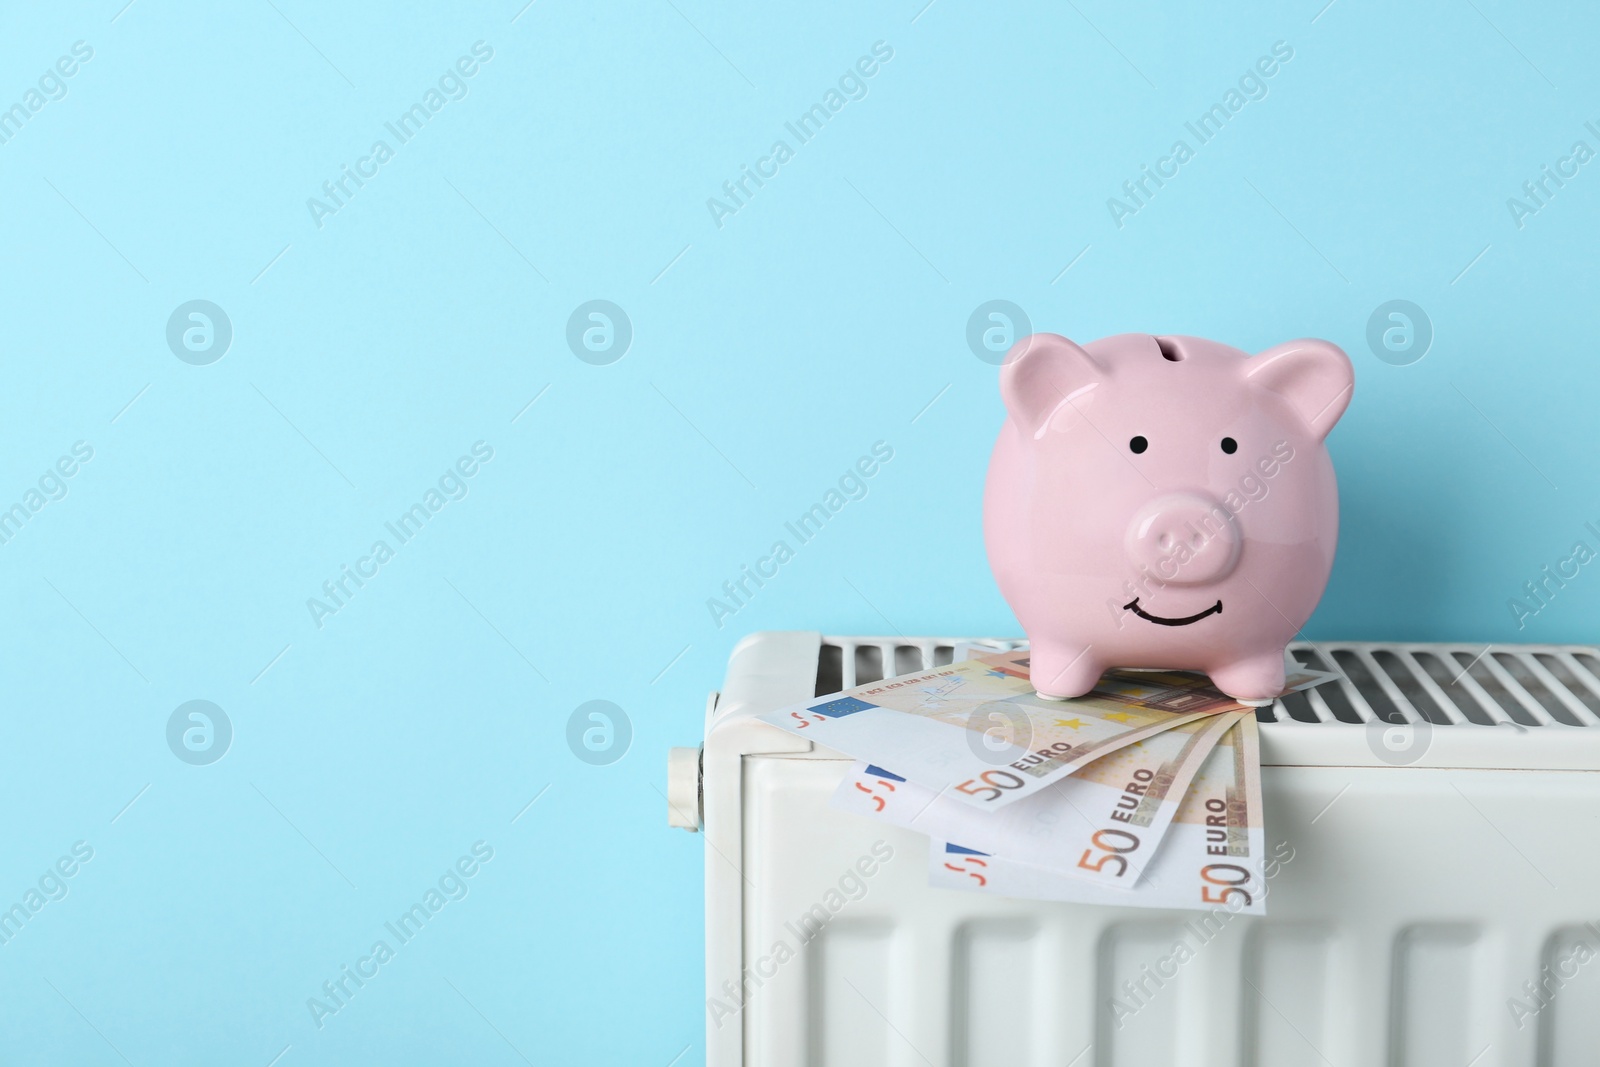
(1441, 684)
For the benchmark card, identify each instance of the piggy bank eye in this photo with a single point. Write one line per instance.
(1138, 444)
(1229, 445)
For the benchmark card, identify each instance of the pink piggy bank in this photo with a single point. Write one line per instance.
(1164, 502)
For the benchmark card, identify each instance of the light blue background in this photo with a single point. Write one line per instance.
(768, 355)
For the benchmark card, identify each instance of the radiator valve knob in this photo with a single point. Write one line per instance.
(683, 788)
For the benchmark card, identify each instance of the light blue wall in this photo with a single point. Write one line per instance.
(768, 353)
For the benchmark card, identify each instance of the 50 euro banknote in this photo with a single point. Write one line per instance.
(1103, 823)
(1213, 857)
(978, 730)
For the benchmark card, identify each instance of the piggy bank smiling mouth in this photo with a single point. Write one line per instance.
(1133, 606)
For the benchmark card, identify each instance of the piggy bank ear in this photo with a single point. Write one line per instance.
(1040, 372)
(1314, 376)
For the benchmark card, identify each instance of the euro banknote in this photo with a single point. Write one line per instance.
(1213, 856)
(1103, 823)
(977, 730)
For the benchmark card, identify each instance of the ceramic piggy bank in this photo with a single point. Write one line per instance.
(1164, 502)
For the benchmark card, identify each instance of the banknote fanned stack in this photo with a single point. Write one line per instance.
(1145, 792)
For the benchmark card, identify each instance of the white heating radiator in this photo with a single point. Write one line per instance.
(1435, 911)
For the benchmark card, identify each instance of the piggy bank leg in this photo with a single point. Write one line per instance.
(1255, 681)
(1061, 672)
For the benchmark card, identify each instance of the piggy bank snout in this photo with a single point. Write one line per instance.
(1184, 539)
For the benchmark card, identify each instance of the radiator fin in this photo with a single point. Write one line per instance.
(1434, 1022)
(996, 993)
(850, 994)
(1567, 1007)
(1286, 999)
(1131, 954)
